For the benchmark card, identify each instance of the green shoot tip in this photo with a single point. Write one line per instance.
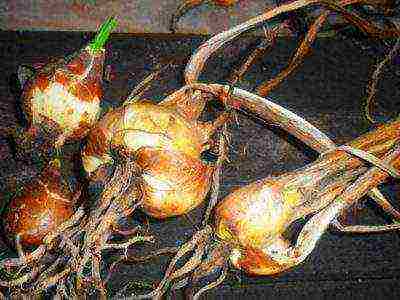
(103, 34)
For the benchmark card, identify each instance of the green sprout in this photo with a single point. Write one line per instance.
(103, 34)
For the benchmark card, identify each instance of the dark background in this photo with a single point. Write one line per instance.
(328, 90)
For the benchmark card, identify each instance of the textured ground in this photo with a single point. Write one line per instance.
(328, 91)
(139, 16)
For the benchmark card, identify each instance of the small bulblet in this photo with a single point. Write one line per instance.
(165, 145)
(64, 96)
(43, 205)
(253, 219)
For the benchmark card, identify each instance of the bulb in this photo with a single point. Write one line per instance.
(45, 203)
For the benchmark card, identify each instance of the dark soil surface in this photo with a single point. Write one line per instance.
(328, 90)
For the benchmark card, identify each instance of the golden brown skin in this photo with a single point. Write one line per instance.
(44, 204)
(143, 124)
(253, 218)
(174, 183)
(166, 141)
(64, 96)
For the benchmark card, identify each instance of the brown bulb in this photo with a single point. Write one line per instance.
(45, 203)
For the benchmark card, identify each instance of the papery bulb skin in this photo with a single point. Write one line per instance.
(253, 219)
(165, 145)
(140, 125)
(188, 103)
(99, 141)
(45, 203)
(149, 125)
(173, 183)
(257, 261)
(64, 96)
(255, 213)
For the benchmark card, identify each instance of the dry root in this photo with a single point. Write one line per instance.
(70, 257)
(198, 266)
(372, 86)
(205, 258)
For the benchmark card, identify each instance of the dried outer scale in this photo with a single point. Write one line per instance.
(174, 183)
(254, 218)
(166, 143)
(65, 95)
(45, 203)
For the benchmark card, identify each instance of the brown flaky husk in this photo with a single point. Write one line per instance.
(282, 200)
(166, 140)
(155, 153)
(251, 223)
(66, 250)
(62, 101)
(45, 203)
